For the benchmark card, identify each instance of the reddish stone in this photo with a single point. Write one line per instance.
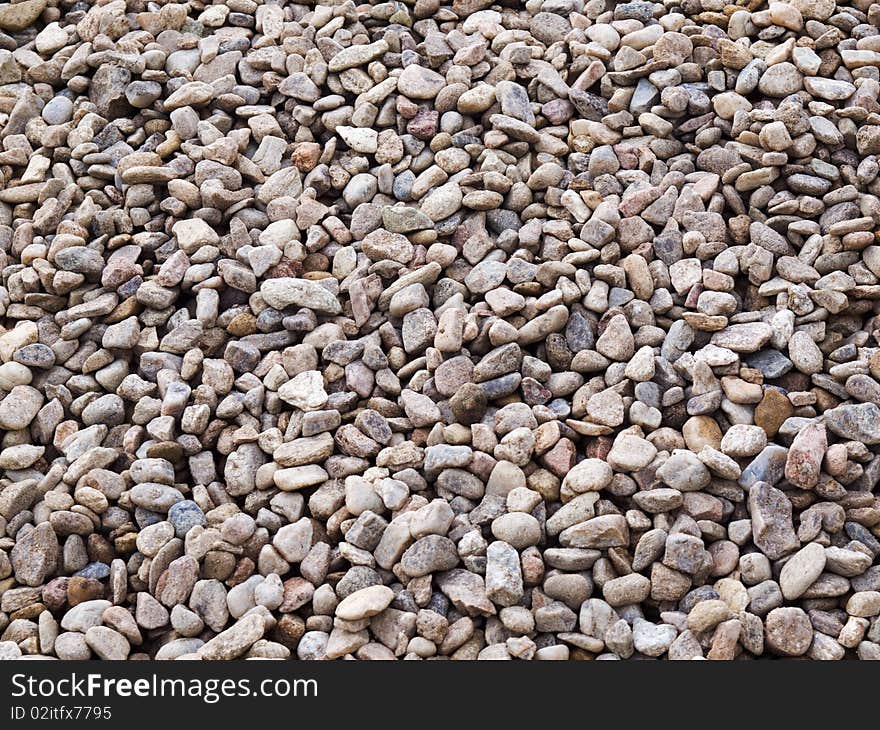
(297, 593)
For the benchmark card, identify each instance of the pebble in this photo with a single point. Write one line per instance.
(234, 641)
(518, 529)
(18, 16)
(589, 475)
(71, 646)
(430, 554)
(771, 515)
(19, 407)
(804, 463)
(85, 615)
(788, 631)
(631, 453)
(504, 579)
(185, 515)
(418, 82)
(34, 557)
(304, 391)
(365, 603)
(859, 422)
(780, 79)
(58, 110)
(801, 570)
(287, 291)
(293, 541)
(107, 643)
(652, 640)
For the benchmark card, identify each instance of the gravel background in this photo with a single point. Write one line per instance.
(402, 330)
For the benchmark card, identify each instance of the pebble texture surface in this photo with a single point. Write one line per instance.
(423, 330)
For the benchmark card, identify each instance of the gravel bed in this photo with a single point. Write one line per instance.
(407, 330)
